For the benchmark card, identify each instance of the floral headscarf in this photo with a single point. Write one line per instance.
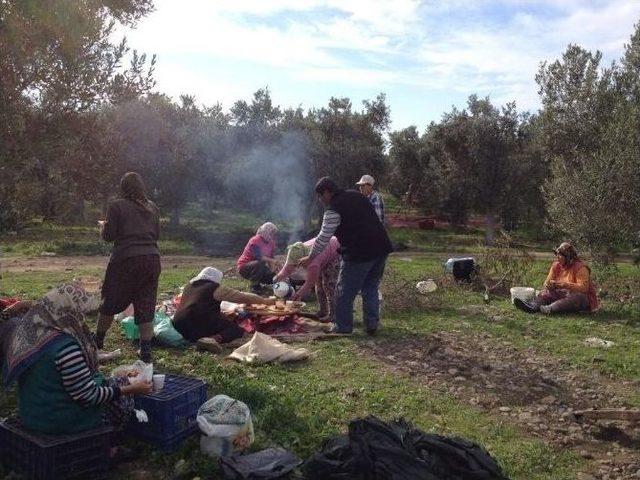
(60, 311)
(267, 231)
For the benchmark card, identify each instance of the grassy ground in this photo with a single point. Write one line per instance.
(298, 406)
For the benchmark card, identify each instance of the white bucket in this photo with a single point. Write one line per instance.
(526, 294)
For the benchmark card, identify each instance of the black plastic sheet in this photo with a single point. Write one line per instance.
(374, 450)
(266, 464)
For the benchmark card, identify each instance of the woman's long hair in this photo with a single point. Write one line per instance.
(132, 188)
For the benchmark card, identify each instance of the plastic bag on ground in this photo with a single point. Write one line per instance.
(598, 342)
(163, 330)
(226, 425)
(264, 465)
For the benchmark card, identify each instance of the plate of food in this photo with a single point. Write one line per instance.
(280, 308)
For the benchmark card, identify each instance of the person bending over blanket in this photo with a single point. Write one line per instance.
(52, 355)
(321, 272)
(256, 262)
(568, 287)
(199, 312)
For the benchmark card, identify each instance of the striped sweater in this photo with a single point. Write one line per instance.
(330, 223)
(78, 380)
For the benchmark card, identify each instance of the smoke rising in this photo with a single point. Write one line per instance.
(277, 178)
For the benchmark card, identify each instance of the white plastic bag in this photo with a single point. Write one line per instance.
(144, 372)
(226, 425)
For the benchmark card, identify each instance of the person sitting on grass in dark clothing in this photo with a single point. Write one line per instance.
(256, 263)
(199, 313)
(568, 286)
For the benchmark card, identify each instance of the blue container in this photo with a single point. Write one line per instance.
(172, 412)
(52, 457)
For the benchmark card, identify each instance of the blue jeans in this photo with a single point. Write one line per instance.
(354, 278)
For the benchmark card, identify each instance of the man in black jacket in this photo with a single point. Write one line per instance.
(364, 246)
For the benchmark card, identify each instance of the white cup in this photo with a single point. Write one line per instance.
(158, 382)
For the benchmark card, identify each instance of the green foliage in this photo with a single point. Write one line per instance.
(482, 159)
(58, 63)
(506, 262)
(590, 121)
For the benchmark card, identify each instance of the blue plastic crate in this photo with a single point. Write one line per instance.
(172, 412)
(52, 457)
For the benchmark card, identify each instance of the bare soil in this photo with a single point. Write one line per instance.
(538, 393)
(60, 264)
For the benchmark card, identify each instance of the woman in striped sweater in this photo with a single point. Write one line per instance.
(53, 356)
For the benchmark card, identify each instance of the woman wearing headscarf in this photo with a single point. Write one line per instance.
(133, 225)
(199, 313)
(568, 287)
(52, 355)
(256, 263)
(321, 273)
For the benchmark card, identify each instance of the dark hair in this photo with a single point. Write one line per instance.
(326, 184)
(132, 188)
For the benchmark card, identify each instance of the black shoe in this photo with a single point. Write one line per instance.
(372, 332)
(524, 306)
(145, 356)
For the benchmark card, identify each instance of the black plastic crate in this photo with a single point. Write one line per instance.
(172, 412)
(51, 457)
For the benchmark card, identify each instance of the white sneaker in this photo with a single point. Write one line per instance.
(546, 309)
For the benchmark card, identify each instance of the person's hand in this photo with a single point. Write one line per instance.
(304, 261)
(551, 284)
(139, 388)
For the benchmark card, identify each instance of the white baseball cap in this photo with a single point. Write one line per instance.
(366, 180)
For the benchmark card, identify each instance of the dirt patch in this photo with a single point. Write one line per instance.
(61, 264)
(538, 393)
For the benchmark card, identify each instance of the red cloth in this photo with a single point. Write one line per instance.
(7, 302)
(272, 325)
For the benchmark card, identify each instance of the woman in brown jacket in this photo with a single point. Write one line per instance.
(132, 225)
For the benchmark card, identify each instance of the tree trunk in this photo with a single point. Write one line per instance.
(489, 234)
(174, 220)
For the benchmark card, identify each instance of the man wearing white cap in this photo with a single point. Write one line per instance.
(365, 185)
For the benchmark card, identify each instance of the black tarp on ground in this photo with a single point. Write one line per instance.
(264, 465)
(374, 450)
